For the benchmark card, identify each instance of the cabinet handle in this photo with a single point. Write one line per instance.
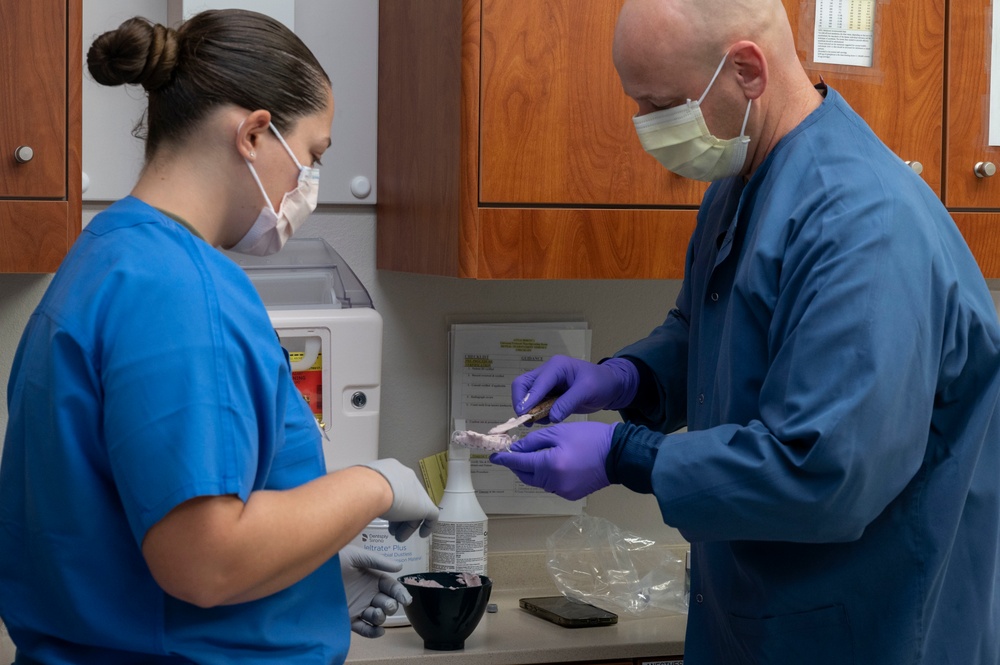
(917, 167)
(23, 154)
(985, 169)
(361, 187)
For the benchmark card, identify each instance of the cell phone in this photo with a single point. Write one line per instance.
(568, 612)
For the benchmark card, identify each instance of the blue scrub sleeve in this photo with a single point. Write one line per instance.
(186, 395)
(632, 456)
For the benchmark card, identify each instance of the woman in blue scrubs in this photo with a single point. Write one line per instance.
(163, 494)
(834, 355)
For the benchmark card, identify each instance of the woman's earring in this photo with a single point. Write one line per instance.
(252, 154)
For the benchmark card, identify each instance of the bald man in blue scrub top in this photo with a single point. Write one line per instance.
(834, 354)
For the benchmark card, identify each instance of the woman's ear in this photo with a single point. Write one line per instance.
(249, 132)
(751, 68)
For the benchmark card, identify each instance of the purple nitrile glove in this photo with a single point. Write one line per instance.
(566, 459)
(585, 387)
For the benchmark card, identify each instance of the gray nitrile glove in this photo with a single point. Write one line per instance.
(372, 594)
(412, 508)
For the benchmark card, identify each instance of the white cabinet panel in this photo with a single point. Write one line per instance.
(283, 10)
(112, 157)
(344, 36)
(342, 33)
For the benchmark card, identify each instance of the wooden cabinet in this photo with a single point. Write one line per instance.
(929, 88)
(40, 176)
(968, 110)
(506, 149)
(555, 126)
(974, 201)
(901, 95)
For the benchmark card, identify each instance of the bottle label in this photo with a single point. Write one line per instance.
(459, 547)
(411, 554)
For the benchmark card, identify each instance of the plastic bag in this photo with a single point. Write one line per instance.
(593, 560)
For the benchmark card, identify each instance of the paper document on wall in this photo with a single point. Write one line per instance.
(485, 359)
(844, 32)
(994, 111)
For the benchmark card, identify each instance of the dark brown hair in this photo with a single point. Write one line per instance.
(215, 58)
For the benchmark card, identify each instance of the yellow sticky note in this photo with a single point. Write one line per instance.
(435, 472)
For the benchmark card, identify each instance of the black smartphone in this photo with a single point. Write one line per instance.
(568, 612)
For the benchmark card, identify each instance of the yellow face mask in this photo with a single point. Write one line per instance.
(680, 141)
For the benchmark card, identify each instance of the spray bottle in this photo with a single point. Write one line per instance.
(459, 539)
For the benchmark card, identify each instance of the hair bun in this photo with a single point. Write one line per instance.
(138, 52)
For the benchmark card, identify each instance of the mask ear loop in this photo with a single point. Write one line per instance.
(746, 117)
(256, 178)
(714, 76)
(289, 150)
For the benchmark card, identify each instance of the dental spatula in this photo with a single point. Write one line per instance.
(498, 438)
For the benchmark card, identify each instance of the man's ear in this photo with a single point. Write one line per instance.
(751, 68)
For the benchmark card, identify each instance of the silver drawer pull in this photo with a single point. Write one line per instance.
(23, 154)
(985, 169)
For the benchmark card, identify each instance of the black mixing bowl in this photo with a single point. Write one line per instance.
(444, 616)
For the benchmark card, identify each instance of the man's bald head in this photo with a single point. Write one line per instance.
(690, 33)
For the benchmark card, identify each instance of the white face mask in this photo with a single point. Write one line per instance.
(679, 140)
(272, 228)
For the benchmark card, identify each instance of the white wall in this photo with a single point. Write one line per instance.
(19, 294)
(6, 647)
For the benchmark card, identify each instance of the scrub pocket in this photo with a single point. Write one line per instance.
(816, 637)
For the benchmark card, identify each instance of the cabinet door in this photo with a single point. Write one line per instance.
(40, 108)
(342, 34)
(980, 231)
(33, 98)
(556, 127)
(344, 37)
(900, 96)
(968, 108)
(112, 156)
(566, 243)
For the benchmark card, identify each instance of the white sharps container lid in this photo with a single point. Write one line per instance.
(306, 274)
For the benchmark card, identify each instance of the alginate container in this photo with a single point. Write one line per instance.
(412, 554)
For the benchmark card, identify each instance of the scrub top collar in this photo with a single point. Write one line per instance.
(182, 222)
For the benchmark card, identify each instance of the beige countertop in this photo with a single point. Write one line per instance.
(511, 636)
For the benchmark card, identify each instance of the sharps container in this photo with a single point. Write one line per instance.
(326, 322)
(411, 554)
